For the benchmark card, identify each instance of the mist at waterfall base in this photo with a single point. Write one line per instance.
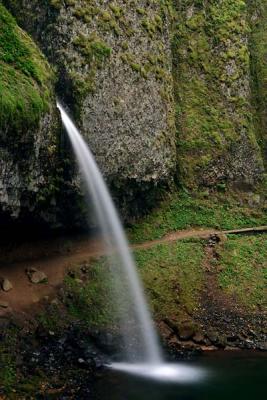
(142, 351)
(232, 375)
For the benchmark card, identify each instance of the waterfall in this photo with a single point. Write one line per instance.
(147, 348)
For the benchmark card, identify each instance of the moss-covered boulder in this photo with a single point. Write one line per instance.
(28, 125)
(217, 135)
(114, 70)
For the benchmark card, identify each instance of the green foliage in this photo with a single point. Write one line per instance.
(24, 77)
(243, 270)
(183, 211)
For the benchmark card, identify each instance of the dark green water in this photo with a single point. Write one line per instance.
(229, 376)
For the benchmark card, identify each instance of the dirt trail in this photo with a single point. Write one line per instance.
(25, 294)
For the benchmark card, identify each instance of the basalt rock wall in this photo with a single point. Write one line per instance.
(163, 91)
(114, 68)
(216, 45)
(29, 128)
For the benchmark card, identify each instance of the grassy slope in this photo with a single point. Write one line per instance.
(173, 277)
(182, 211)
(243, 270)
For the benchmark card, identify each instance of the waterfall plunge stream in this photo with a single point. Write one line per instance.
(116, 241)
(145, 358)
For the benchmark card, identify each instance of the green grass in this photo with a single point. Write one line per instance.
(91, 301)
(183, 211)
(243, 264)
(173, 277)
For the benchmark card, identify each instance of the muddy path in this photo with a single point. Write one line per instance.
(56, 257)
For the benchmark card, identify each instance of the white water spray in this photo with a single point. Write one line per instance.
(115, 238)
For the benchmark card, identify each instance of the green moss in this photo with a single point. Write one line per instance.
(183, 211)
(258, 49)
(95, 52)
(212, 62)
(152, 25)
(243, 270)
(25, 77)
(92, 48)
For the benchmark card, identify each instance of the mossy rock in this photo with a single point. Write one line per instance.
(26, 78)
(30, 170)
(217, 137)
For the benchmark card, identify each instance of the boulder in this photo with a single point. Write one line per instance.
(36, 276)
(6, 285)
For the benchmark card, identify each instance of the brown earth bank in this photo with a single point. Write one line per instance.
(56, 256)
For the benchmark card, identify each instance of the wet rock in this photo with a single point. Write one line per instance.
(216, 339)
(232, 338)
(262, 346)
(186, 332)
(6, 285)
(198, 338)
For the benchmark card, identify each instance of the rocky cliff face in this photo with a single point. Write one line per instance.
(258, 50)
(217, 134)
(28, 126)
(114, 68)
(124, 67)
